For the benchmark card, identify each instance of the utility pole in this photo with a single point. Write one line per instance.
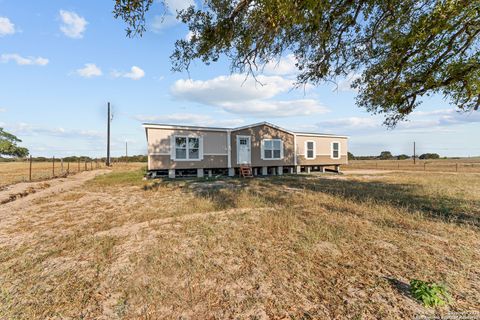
(414, 154)
(108, 135)
(126, 151)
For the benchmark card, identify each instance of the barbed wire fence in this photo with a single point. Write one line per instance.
(34, 169)
(440, 165)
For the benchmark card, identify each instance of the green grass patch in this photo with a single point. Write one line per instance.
(119, 178)
(429, 293)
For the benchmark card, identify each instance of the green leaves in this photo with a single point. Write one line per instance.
(403, 49)
(429, 293)
(8, 145)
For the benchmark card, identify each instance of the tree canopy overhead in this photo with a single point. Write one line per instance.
(399, 50)
(8, 145)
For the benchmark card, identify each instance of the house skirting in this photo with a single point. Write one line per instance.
(257, 171)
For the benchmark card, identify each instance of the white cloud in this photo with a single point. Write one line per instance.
(191, 119)
(162, 22)
(73, 25)
(3, 110)
(418, 122)
(345, 84)
(351, 123)
(433, 112)
(189, 36)
(273, 108)
(23, 61)
(25, 129)
(284, 66)
(226, 89)
(90, 70)
(6, 27)
(240, 95)
(178, 5)
(135, 73)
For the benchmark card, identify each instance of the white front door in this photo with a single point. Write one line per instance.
(243, 150)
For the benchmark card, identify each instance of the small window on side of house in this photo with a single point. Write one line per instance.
(310, 150)
(335, 150)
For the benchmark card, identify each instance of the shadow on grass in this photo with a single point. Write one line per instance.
(405, 196)
(224, 193)
(402, 287)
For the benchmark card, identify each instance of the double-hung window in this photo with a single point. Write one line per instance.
(272, 149)
(335, 150)
(310, 150)
(187, 148)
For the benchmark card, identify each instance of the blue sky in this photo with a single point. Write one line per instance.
(61, 61)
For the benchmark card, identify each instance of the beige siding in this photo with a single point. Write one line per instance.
(321, 160)
(259, 133)
(157, 162)
(215, 148)
(160, 149)
(323, 150)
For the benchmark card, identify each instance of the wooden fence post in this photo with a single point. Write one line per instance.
(91, 165)
(53, 167)
(78, 165)
(86, 169)
(456, 167)
(68, 167)
(62, 165)
(30, 175)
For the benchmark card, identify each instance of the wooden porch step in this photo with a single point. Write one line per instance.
(246, 171)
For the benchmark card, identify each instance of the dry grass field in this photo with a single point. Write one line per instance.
(14, 172)
(438, 165)
(292, 247)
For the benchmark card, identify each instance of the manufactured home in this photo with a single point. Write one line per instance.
(267, 149)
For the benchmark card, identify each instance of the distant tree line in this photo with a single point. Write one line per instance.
(387, 155)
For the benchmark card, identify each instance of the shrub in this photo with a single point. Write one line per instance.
(429, 293)
(385, 155)
(403, 157)
(429, 156)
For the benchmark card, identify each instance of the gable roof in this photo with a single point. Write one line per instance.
(264, 123)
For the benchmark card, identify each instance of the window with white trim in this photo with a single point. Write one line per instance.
(335, 150)
(272, 149)
(187, 148)
(310, 150)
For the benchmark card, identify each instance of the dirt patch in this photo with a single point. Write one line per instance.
(22, 190)
(21, 195)
(385, 245)
(367, 171)
(13, 193)
(327, 248)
